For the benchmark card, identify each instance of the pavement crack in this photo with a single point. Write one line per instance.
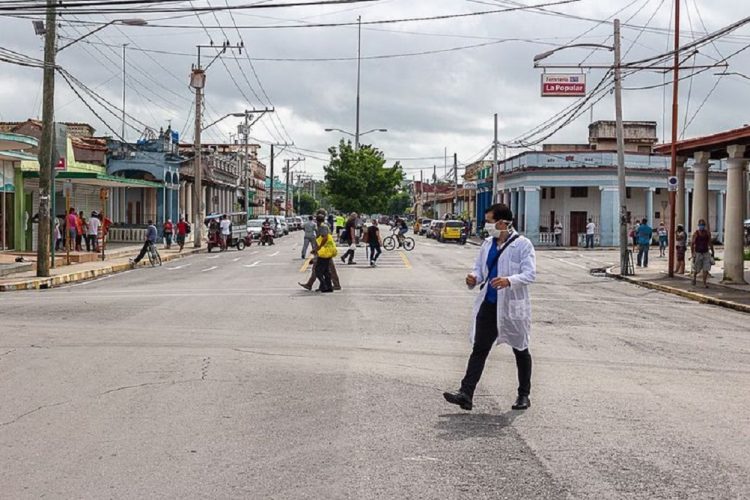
(30, 412)
(7, 352)
(261, 353)
(124, 387)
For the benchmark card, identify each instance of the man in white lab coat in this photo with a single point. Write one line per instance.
(504, 269)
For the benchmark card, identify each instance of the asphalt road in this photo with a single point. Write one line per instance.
(216, 376)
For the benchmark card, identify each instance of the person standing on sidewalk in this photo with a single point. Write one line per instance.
(590, 231)
(374, 242)
(661, 231)
(310, 234)
(680, 243)
(168, 232)
(350, 235)
(644, 235)
(93, 230)
(226, 229)
(558, 231)
(58, 235)
(182, 228)
(702, 249)
(80, 231)
(504, 269)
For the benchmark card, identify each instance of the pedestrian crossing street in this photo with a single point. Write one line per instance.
(396, 259)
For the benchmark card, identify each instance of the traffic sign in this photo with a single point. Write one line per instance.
(60, 165)
(470, 185)
(672, 183)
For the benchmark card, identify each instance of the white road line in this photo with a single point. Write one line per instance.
(178, 267)
(573, 264)
(210, 269)
(275, 254)
(254, 264)
(235, 260)
(214, 257)
(253, 253)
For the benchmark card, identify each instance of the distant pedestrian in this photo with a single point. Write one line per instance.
(504, 269)
(590, 231)
(702, 249)
(558, 231)
(661, 231)
(323, 230)
(330, 221)
(645, 234)
(680, 242)
(634, 236)
(70, 228)
(58, 234)
(182, 231)
(326, 250)
(80, 230)
(168, 232)
(226, 230)
(310, 234)
(349, 235)
(374, 242)
(93, 229)
(151, 235)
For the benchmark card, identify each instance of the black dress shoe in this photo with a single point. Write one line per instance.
(458, 398)
(522, 403)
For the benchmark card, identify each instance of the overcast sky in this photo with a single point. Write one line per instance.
(427, 102)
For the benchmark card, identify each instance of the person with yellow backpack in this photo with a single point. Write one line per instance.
(323, 230)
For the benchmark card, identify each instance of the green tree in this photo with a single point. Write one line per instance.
(307, 204)
(359, 181)
(399, 203)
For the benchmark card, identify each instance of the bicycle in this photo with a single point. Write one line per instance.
(390, 242)
(153, 255)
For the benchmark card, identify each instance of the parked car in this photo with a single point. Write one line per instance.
(436, 228)
(299, 222)
(283, 226)
(452, 230)
(254, 226)
(424, 225)
(428, 232)
(292, 223)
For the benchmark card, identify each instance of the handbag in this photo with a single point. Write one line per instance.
(327, 251)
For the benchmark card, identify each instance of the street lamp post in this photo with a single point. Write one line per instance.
(357, 134)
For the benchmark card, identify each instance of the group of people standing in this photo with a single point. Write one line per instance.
(76, 230)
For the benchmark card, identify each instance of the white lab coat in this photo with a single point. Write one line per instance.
(518, 264)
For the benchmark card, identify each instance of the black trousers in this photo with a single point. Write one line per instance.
(349, 254)
(323, 273)
(375, 251)
(484, 339)
(143, 251)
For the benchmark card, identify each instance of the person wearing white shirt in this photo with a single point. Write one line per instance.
(225, 226)
(590, 230)
(93, 231)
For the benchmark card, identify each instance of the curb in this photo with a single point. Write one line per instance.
(698, 297)
(74, 277)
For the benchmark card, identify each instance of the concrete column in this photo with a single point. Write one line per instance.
(532, 199)
(680, 198)
(19, 209)
(650, 206)
(700, 188)
(521, 217)
(736, 199)
(720, 215)
(188, 200)
(514, 202)
(609, 226)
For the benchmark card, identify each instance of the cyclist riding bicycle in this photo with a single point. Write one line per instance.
(403, 228)
(151, 235)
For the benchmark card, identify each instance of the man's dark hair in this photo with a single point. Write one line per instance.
(644, 221)
(589, 219)
(500, 211)
(150, 222)
(309, 217)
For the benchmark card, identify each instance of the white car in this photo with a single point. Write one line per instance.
(254, 227)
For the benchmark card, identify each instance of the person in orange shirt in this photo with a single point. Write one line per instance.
(80, 223)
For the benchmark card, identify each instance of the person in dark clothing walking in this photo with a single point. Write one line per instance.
(151, 234)
(374, 242)
(350, 230)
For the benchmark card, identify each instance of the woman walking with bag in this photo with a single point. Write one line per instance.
(326, 250)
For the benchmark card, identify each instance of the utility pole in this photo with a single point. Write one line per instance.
(247, 162)
(45, 147)
(455, 183)
(288, 170)
(359, 66)
(494, 165)
(620, 134)
(198, 81)
(272, 160)
(673, 166)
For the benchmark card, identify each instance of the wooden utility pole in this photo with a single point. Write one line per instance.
(673, 166)
(620, 135)
(45, 147)
(198, 205)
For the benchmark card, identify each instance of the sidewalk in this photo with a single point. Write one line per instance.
(117, 256)
(656, 277)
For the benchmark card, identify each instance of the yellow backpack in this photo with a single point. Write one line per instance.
(327, 251)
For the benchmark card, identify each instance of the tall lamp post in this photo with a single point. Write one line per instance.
(46, 171)
(357, 134)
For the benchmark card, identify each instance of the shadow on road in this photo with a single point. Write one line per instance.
(460, 426)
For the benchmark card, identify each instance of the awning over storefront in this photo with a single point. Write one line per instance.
(99, 179)
(16, 141)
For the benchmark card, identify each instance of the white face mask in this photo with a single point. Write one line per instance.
(493, 231)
